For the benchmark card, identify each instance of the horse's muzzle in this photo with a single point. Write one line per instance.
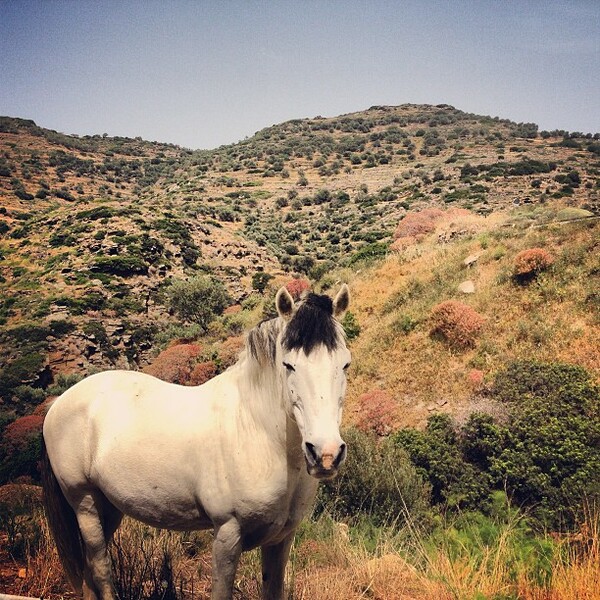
(324, 463)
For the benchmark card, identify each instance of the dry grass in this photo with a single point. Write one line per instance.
(553, 319)
(44, 576)
(331, 563)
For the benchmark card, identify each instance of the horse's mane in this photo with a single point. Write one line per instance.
(261, 343)
(311, 325)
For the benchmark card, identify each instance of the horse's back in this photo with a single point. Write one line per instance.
(135, 438)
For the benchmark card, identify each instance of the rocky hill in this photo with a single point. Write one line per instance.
(94, 229)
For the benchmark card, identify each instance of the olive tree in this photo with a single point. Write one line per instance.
(198, 300)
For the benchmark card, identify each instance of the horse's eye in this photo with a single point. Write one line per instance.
(346, 366)
(288, 367)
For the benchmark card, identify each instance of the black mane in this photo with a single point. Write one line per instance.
(312, 324)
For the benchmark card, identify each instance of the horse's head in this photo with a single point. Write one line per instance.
(314, 361)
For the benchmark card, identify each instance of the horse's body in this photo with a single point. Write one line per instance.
(235, 454)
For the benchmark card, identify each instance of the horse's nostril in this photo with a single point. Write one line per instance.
(312, 452)
(341, 455)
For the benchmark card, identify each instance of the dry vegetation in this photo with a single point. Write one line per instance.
(405, 204)
(554, 319)
(329, 562)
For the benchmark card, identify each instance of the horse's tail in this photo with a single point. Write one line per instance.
(63, 524)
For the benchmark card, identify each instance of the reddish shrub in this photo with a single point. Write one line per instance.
(17, 495)
(528, 263)
(376, 412)
(455, 322)
(202, 372)
(42, 409)
(229, 350)
(475, 378)
(234, 309)
(296, 287)
(175, 364)
(20, 431)
(416, 224)
(20, 448)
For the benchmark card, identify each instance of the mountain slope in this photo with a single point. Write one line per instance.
(94, 228)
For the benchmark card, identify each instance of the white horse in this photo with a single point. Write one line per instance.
(240, 454)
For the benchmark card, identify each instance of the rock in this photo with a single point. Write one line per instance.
(471, 259)
(467, 287)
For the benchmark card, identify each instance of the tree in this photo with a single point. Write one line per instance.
(198, 300)
(260, 280)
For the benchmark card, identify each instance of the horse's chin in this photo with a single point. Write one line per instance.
(320, 473)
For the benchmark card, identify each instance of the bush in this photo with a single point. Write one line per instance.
(551, 457)
(456, 323)
(96, 331)
(377, 413)
(436, 454)
(20, 448)
(297, 287)
(17, 505)
(260, 280)
(202, 372)
(546, 456)
(125, 266)
(21, 370)
(370, 252)
(528, 263)
(175, 364)
(198, 300)
(377, 478)
(351, 326)
(418, 224)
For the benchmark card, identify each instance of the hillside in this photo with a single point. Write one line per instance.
(94, 229)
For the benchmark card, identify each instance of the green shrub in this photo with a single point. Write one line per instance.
(198, 300)
(260, 280)
(96, 331)
(378, 479)
(28, 333)
(546, 456)
(551, 457)
(351, 326)
(403, 324)
(125, 266)
(437, 456)
(61, 327)
(63, 382)
(20, 519)
(370, 252)
(21, 370)
(93, 300)
(98, 212)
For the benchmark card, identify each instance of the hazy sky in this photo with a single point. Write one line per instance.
(205, 73)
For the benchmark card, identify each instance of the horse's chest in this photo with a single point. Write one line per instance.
(270, 519)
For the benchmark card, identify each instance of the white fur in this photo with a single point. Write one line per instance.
(230, 455)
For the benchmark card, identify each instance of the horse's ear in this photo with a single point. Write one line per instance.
(341, 302)
(284, 303)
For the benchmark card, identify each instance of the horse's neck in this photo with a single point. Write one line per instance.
(263, 402)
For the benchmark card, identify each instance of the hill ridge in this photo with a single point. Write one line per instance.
(94, 228)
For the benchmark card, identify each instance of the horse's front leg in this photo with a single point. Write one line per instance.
(274, 560)
(227, 548)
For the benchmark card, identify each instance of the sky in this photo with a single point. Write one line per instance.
(205, 73)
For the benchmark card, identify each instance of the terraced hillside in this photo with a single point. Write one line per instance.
(95, 229)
